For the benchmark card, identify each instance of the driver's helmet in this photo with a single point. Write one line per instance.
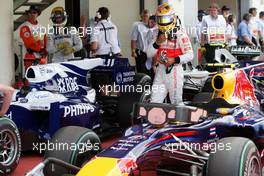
(166, 17)
(58, 16)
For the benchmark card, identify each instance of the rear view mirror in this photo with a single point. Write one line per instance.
(157, 117)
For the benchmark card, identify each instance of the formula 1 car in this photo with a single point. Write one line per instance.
(222, 136)
(78, 93)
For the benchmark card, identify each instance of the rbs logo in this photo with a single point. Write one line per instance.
(67, 84)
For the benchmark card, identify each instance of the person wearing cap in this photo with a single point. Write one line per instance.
(253, 25)
(139, 42)
(104, 40)
(34, 39)
(213, 32)
(225, 11)
(63, 41)
(245, 36)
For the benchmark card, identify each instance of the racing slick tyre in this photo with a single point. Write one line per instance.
(239, 156)
(127, 99)
(10, 146)
(74, 145)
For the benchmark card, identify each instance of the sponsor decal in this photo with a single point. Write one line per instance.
(119, 78)
(9, 115)
(79, 109)
(125, 77)
(212, 131)
(67, 84)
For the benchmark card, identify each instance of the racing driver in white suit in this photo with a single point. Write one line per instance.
(172, 48)
(63, 41)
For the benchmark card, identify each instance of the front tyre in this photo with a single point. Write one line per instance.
(79, 146)
(10, 146)
(240, 157)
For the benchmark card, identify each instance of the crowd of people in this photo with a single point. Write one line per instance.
(217, 29)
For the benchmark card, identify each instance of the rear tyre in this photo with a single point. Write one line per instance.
(239, 157)
(82, 144)
(10, 146)
(127, 99)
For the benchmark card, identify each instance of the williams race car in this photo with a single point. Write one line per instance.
(75, 93)
(222, 136)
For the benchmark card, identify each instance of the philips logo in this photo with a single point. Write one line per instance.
(75, 110)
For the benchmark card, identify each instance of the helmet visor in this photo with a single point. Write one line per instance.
(164, 20)
(58, 17)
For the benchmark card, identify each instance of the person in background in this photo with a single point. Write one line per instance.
(253, 25)
(225, 12)
(6, 94)
(63, 41)
(139, 42)
(104, 40)
(231, 35)
(245, 36)
(34, 39)
(151, 37)
(197, 41)
(213, 32)
(201, 14)
(261, 28)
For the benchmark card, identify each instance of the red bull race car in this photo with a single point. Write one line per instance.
(220, 136)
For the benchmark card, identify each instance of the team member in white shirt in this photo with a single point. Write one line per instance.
(151, 37)
(253, 25)
(213, 32)
(104, 40)
(231, 35)
(201, 14)
(261, 28)
(139, 42)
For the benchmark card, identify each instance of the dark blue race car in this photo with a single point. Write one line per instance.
(219, 136)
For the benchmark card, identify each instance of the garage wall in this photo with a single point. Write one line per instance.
(123, 14)
(151, 5)
(6, 48)
(259, 4)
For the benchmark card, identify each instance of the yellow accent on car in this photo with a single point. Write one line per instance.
(101, 166)
(224, 86)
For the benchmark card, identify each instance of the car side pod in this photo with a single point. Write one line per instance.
(38, 170)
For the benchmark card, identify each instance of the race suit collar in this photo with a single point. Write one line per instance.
(33, 22)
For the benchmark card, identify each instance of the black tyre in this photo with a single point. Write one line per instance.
(10, 146)
(127, 99)
(242, 158)
(79, 145)
(142, 79)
